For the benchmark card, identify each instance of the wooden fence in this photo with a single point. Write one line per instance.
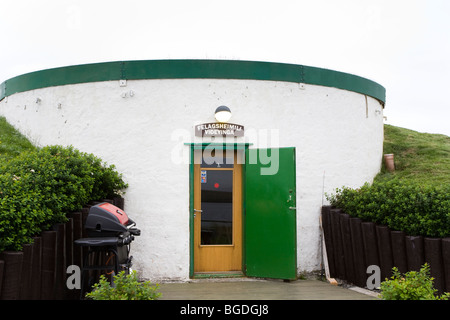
(353, 245)
(39, 271)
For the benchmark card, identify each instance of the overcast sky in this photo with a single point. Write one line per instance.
(402, 45)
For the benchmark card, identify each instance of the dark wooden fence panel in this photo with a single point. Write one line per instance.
(39, 271)
(353, 245)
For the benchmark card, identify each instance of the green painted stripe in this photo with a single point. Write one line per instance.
(2, 90)
(191, 69)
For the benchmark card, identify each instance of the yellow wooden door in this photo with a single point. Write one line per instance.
(218, 217)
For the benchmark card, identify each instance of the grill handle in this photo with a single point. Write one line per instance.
(135, 231)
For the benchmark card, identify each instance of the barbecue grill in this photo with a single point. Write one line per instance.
(110, 232)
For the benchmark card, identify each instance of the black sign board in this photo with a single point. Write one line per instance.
(219, 129)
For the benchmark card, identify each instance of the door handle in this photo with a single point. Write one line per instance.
(292, 208)
(195, 210)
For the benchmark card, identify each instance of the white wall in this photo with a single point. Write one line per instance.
(338, 143)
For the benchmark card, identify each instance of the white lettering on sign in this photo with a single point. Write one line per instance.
(219, 129)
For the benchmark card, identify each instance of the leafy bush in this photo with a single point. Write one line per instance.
(126, 287)
(22, 213)
(38, 188)
(415, 209)
(412, 285)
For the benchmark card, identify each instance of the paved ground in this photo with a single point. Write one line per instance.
(253, 289)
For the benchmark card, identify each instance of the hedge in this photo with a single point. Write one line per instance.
(38, 188)
(418, 210)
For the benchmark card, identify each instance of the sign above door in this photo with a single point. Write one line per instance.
(219, 129)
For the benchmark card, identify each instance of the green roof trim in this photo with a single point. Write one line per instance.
(191, 69)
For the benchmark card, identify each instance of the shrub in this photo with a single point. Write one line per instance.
(412, 285)
(126, 287)
(38, 188)
(415, 209)
(22, 213)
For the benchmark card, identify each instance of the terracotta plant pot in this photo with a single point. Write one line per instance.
(389, 162)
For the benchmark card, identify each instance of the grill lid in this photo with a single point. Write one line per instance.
(117, 212)
(107, 217)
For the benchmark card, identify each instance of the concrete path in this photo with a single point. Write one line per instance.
(255, 289)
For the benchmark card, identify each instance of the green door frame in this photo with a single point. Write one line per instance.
(224, 146)
(202, 146)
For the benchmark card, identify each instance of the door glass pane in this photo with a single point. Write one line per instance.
(217, 207)
(217, 158)
(217, 162)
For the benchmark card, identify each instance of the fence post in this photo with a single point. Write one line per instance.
(347, 247)
(446, 261)
(385, 251)
(399, 251)
(326, 225)
(48, 272)
(2, 267)
(37, 268)
(27, 267)
(370, 244)
(414, 252)
(12, 274)
(60, 268)
(337, 244)
(358, 252)
(433, 256)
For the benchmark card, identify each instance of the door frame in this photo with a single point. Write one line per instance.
(202, 146)
(225, 146)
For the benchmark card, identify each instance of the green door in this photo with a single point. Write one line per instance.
(270, 213)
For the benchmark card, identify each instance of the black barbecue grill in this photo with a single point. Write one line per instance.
(107, 248)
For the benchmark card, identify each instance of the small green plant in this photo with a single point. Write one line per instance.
(413, 285)
(126, 287)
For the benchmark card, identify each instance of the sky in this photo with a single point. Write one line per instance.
(402, 45)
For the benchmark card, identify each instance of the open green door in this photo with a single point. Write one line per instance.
(270, 213)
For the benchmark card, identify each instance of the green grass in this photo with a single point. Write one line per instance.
(421, 158)
(12, 143)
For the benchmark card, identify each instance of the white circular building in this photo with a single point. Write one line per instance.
(241, 197)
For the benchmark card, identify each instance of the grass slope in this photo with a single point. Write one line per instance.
(421, 158)
(12, 143)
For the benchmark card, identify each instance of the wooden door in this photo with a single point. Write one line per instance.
(217, 215)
